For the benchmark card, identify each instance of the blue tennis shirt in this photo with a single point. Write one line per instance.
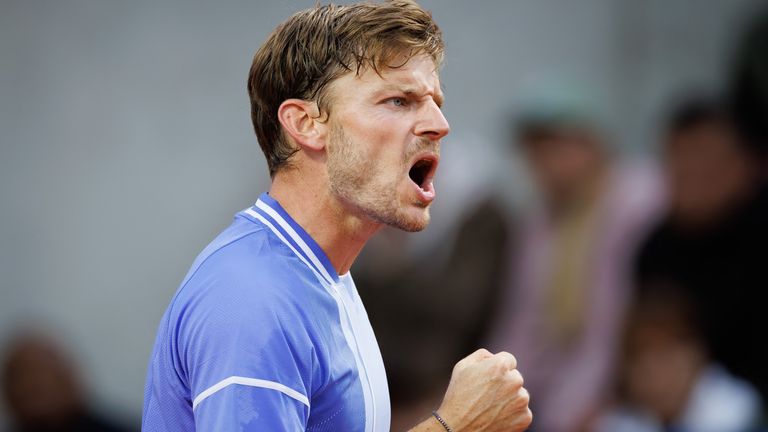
(264, 335)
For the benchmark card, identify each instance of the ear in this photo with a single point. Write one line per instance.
(300, 120)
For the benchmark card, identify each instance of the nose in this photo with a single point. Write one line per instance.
(432, 123)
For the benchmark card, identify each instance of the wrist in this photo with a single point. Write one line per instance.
(443, 423)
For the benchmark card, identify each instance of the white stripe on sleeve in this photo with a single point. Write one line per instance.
(252, 382)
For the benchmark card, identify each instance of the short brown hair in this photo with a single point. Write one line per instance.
(315, 46)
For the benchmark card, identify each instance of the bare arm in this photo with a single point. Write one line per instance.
(486, 394)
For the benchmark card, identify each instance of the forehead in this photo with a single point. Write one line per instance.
(418, 76)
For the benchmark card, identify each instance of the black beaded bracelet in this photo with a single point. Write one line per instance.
(442, 422)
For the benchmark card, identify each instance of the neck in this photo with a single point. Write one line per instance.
(339, 232)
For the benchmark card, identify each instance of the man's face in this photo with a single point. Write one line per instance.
(385, 142)
(661, 369)
(564, 164)
(708, 171)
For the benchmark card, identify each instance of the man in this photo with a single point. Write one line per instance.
(43, 389)
(667, 380)
(712, 239)
(267, 332)
(568, 269)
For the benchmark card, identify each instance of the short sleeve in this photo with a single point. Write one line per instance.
(248, 358)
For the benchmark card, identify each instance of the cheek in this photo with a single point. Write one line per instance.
(379, 142)
(388, 152)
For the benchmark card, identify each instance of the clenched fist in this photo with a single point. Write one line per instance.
(485, 394)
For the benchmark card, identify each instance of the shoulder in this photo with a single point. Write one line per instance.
(248, 307)
(247, 279)
(247, 261)
(635, 199)
(722, 402)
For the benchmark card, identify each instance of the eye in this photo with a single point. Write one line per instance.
(397, 101)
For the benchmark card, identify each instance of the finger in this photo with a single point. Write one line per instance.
(524, 396)
(527, 418)
(515, 378)
(508, 359)
(520, 402)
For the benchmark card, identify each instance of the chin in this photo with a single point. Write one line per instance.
(395, 213)
(412, 223)
(413, 228)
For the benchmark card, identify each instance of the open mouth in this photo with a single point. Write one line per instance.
(421, 172)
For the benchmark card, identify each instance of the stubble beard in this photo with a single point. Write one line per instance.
(359, 182)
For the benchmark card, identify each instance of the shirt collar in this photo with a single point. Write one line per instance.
(294, 236)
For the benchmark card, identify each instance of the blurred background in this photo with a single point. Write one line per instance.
(601, 214)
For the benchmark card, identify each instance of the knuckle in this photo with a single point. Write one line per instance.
(528, 417)
(475, 357)
(508, 359)
(515, 378)
(498, 367)
(525, 397)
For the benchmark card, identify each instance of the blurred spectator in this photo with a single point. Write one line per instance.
(568, 275)
(667, 380)
(712, 243)
(749, 84)
(43, 392)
